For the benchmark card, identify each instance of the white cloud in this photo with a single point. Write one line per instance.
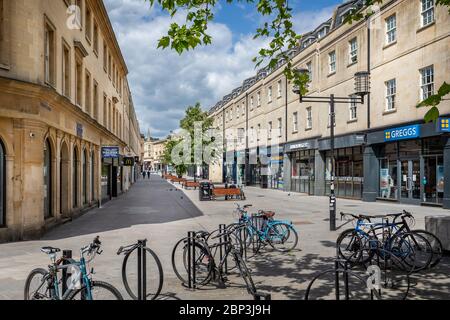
(164, 83)
(306, 21)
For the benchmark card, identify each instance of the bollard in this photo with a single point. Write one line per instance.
(67, 254)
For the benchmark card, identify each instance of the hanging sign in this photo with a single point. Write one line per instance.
(110, 152)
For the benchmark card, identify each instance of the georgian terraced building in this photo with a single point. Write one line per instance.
(384, 150)
(63, 96)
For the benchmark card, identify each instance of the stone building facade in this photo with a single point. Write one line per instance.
(385, 151)
(64, 96)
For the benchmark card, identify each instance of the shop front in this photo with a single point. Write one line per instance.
(302, 160)
(413, 164)
(111, 178)
(275, 163)
(349, 165)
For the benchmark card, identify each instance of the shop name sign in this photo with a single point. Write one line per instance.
(305, 145)
(128, 161)
(110, 152)
(408, 132)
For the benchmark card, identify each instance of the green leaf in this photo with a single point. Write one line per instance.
(164, 42)
(432, 114)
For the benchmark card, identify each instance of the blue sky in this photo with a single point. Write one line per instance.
(163, 83)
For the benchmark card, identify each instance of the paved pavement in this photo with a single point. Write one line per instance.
(163, 213)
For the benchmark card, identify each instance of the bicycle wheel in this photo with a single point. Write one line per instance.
(412, 249)
(282, 237)
(154, 274)
(36, 285)
(245, 273)
(436, 246)
(100, 291)
(355, 248)
(204, 262)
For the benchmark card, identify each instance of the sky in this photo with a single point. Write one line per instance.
(164, 83)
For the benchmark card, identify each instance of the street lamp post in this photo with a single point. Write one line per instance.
(362, 88)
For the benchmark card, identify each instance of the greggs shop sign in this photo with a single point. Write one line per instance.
(402, 133)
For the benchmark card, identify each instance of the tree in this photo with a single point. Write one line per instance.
(194, 116)
(279, 29)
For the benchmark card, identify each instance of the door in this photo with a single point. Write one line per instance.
(410, 181)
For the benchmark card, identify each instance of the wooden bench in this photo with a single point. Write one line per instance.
(228, 193)
(191, 184)
(176, 179)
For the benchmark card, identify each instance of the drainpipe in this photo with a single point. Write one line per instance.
(247, 151)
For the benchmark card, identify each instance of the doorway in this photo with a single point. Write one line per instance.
(409, 181)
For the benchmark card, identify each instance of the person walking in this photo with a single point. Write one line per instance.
(144, 173)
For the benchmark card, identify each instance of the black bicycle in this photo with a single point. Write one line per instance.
(141, 270)
(204, 253)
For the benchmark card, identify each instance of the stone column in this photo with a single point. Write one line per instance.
(446, 200)
(371, 169)
(319, 173)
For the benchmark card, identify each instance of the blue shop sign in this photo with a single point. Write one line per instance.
(402, 133)
(444, 124)
(110, 152)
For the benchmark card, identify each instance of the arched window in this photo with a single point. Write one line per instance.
(47, 180)
(84, 177)
(2, 186)
(75, 178)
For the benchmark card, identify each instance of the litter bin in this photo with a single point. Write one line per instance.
(205, 191)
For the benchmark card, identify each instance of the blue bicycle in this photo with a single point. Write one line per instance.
(261, 229)
(44, 284)
(379, 241)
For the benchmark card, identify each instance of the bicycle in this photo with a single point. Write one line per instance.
(129, 275)
(205, 265)
(360, 244)
(80, 284)
(263, 229)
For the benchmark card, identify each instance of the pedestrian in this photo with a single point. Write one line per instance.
(144, 173)
(148, 174)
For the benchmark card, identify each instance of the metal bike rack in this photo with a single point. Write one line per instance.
(191, 259)
(222, 249)
(142, 270)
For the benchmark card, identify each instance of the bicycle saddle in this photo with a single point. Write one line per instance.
(247, 206)
(50, 250)
(267, 214)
